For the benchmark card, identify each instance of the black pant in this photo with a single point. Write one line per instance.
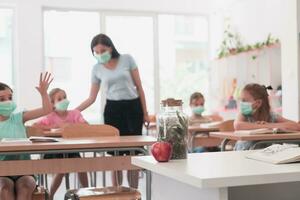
(125, 115)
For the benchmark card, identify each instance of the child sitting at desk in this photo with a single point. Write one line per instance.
(59, 118)
(255, 113)
(197, 103)
(12, 126)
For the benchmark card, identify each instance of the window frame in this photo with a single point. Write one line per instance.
(14, 52)
(155, 15)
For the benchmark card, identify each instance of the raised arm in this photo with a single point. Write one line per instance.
(45, 81)
(91, 99)
(138, 83)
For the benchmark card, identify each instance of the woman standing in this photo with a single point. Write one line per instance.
(126, 105)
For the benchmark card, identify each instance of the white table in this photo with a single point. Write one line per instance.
(221, 176)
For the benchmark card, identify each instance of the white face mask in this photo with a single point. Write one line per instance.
(103, 58)
(7, 108)
(62, 105)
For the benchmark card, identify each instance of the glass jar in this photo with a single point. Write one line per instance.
(172, 127)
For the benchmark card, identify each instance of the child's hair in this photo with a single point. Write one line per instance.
(196, 95)
(53, 92)
(3, 86)
(260, 92)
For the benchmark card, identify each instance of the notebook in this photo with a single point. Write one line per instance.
(43, 139)
(261, 131)
(14, 140)
(277, 154)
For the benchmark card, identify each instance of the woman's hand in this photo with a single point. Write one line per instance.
(45, 81)
(146, 120)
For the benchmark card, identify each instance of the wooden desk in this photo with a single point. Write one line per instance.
(66, 165)
(204, 128)
(221, 176)
(257, 139)
(199, 135)
(57, 133)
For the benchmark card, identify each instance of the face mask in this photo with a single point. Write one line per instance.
(7, 107)
(246, 108)
(62, 105)
(198, 110)
(103, 58)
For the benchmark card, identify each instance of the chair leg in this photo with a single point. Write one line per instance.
(91, 179)
(67, 180)
(46, 180)
(103, 174)
(76, 181)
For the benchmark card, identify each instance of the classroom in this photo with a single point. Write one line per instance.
(149, 100)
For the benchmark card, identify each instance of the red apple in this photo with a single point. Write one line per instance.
(161, 151)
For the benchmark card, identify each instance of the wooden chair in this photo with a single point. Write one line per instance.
(106, 193)
(85, 130)
(34, 131)
(226, 126)
(40, 193)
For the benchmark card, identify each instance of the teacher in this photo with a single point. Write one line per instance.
(125, 106)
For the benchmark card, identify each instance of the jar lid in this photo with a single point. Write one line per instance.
(171, 102)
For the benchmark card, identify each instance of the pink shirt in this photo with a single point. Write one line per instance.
(73, 116)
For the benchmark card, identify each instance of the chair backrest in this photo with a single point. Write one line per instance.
(33, 131)
(226, 126)
(152, 118)
(86, 130)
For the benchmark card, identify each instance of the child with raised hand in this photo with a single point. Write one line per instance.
(256, 113)
(61, 117)
(12, 126)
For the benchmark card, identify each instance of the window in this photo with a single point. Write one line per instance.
(6, 45)
(124, 34)
(183, 56)
(175, 47)
(68, 35)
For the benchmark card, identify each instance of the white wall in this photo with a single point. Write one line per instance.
(254, 20)
(290, 59)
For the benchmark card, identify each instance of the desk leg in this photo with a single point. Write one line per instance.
(224, 143)
(103, 175)
(148, 176)
(67, 176)
(191, 141)
(148, 185)
(252, 147)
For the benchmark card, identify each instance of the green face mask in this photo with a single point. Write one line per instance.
(62, 105)
(7, 107)
(198, 110)
(103, 58)
(246, 108)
